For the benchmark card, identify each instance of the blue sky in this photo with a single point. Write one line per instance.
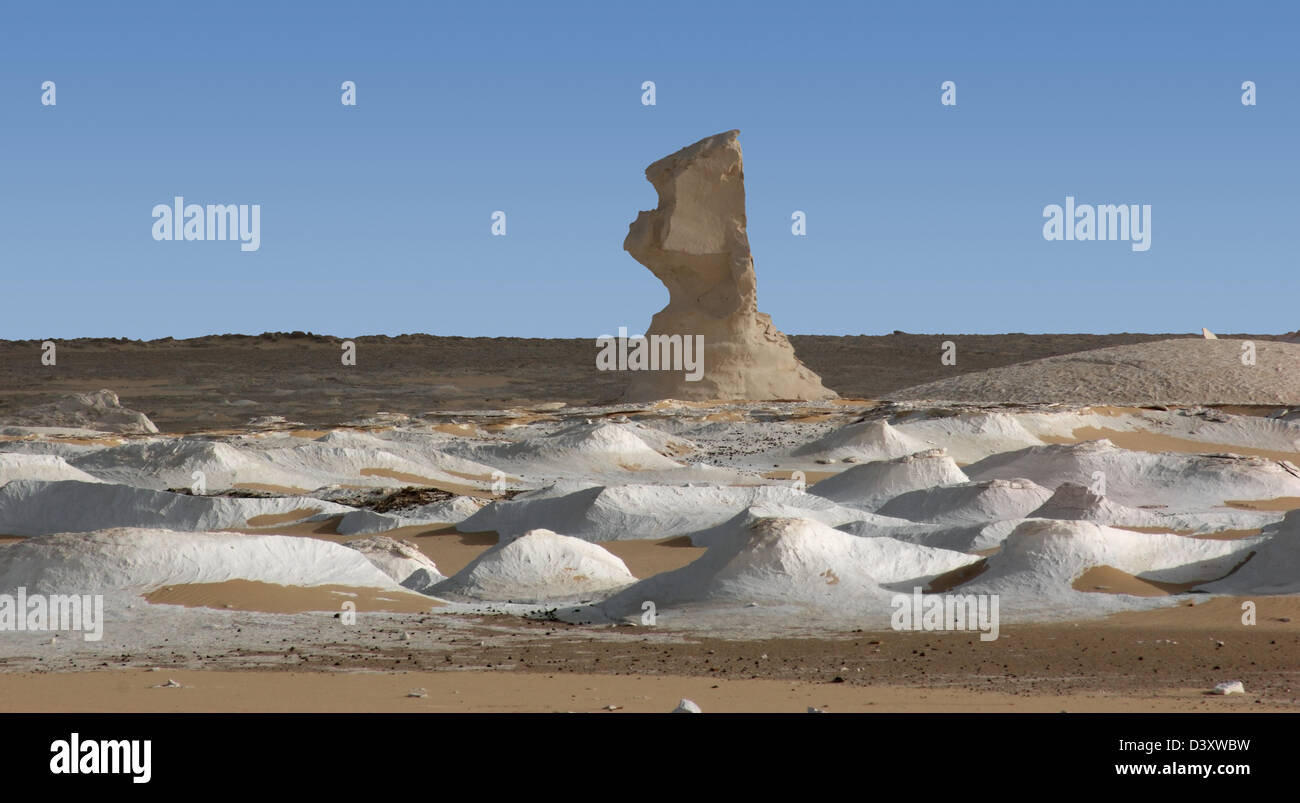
(376, 218)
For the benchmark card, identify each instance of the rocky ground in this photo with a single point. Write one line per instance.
(225, 380)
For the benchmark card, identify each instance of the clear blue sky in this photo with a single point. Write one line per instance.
(376, 219)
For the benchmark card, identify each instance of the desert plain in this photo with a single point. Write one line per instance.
(483, 524)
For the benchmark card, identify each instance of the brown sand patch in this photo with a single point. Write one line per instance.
(810, 477)
(425, 482)
(132, 690)
(1255, 411)
(280, 490)
(631, 466)
(250, 595)
(1144, 441)
(105, 441)
(460, 430)
(413, 479)
(1112, 411)
(1280, 504)
(962, 574)
(518, 419)
(1272, 613)
(483, 478)
(677, 404)
(453, 550)
(1220, 535)
(328, 526)
(816, 418)
(10, 539)
(309, 434)
(843, 402)
(647, 558)
(1109, 580)
(275, 519)
(450, 549)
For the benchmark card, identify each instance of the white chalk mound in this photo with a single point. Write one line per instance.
(970, 436)
(1273, 569)
(973, 538)
(172, 463)
(48, 467)
(538, 566)
(869, 485)
(863, 441)
(144, 560)
(449, 511)
(1179, 482)
(35, 507)
(625, 512)
(401, 560)
(1074, 502)
(583, 447)
(337, 458)
(969, 502)
(1041, 559)
(795, 561)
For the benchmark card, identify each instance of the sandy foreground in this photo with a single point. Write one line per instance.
(508, 692)
(1152, 661)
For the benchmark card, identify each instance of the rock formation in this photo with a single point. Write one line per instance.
(99, 411)
(695, 243)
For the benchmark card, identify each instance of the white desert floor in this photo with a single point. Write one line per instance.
(667, 523)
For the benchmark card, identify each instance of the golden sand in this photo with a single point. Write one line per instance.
(251, 595)
(135, 690)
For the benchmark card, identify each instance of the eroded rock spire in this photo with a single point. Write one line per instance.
(695, 243)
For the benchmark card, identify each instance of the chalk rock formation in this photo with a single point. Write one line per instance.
(100, 411)
(695, 243)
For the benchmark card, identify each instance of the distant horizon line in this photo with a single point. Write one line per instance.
(299, 334)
